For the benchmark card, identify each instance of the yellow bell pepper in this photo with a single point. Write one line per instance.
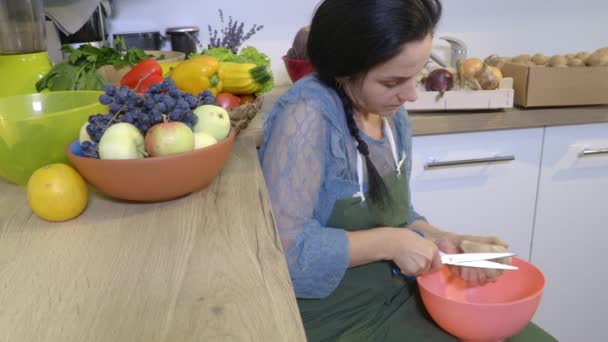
(168, 67)
(198, 74)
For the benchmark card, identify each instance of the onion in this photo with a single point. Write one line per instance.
(489, 77)
(439, 80)
(471, 67)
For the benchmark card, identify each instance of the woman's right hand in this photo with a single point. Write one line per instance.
(413, 254)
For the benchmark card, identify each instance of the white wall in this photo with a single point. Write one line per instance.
(488, 27)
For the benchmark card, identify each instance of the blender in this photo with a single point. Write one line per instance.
(23, 55)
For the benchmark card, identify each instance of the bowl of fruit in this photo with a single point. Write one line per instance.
(35, 128)
(152, 147)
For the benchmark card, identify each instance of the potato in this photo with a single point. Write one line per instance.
(570, 56)
(558, 61)
(540, 59)
(576, 62)
(597, 59)
(522, 58)
(479, 247)
(602, 51)
(583, 55)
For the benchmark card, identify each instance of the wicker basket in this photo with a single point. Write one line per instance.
(243, 114)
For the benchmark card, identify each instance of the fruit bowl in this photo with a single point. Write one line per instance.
(154, 179)
(35, 128)
(487, 313)
(297, 68)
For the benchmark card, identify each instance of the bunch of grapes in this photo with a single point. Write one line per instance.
(163, 102)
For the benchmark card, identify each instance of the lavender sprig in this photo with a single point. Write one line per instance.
(232, 36)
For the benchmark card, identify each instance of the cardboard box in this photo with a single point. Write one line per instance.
(539, 86)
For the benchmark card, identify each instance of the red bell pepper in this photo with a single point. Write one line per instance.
(145, 83)
(142, 74)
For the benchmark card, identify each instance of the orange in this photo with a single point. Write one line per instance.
(57, 193)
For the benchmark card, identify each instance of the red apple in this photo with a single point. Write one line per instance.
(169, 138)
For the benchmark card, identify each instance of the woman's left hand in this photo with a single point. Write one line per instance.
(451, 243)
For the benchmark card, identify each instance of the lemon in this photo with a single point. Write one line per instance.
(57, 193)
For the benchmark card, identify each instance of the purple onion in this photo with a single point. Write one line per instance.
(439, 80)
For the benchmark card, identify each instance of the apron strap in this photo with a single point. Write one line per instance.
(398, 163)
(391, 140)
(360, 194)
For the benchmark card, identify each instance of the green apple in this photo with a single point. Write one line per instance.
(212, 120)
(122, 141)
(202, 139)
(84, 135)
(169, 138)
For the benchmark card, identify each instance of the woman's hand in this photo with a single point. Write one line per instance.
(413, 254)
(452, 243)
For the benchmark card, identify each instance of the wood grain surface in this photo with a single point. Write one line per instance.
(206, 267)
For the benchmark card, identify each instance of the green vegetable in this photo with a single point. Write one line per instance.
(247, 55)
(66, 76)
(220, 53)
(79, 71)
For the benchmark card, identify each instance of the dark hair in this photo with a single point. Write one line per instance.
(349, 37)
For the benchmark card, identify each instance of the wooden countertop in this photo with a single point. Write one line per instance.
(206, 267)
(469, 121)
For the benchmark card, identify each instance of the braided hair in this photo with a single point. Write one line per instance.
(377, 189)
(349, 37)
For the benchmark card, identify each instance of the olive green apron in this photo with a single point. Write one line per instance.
(371, 304)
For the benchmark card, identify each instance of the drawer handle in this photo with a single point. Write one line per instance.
(587, 153)
(496, 159)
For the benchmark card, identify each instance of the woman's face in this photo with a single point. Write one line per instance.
(389, 85)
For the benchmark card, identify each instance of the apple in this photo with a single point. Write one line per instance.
(212, 120)
(84, 135)
(202, 139)
(122, 141)
(169, 138)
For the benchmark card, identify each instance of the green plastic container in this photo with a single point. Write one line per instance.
(21, 72)
(36, 128)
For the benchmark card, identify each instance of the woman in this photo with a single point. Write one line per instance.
(336, 157)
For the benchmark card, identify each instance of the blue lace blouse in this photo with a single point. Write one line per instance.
(308, 158)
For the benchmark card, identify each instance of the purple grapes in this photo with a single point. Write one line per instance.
(89, 149)
(162, 103)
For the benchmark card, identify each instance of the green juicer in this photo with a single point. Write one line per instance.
(23, 55)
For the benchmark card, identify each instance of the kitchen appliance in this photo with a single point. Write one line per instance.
(23, 56)
(184, 39)
(458, 52)
(93, 32)
(142, 40)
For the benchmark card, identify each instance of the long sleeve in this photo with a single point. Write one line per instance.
(293, 159)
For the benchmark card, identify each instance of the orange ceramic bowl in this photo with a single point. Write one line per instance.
(487, 313)
(153, 179)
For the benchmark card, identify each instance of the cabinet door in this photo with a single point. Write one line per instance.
(456, 191)
(571, 232)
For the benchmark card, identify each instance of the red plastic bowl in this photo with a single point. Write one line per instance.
(297, 68)
(487, 313)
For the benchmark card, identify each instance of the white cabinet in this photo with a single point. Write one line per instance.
(571, 232)
(495, 197)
